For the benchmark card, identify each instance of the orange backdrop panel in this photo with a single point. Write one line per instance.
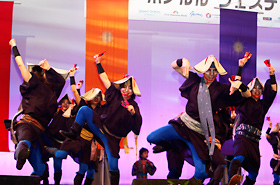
(106, 30)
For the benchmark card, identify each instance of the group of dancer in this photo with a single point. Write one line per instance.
(108, 123)
(199, 126)
(199, 131)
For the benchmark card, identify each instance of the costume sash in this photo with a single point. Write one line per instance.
(205, 115)
(191, 123)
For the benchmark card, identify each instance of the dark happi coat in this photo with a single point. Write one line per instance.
(118, 119)
(220, 98)
(40, 102)
(253, 113)
(80, 150)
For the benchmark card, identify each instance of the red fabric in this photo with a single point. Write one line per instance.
(6, 18)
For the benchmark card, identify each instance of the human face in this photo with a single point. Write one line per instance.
(145, 155)
(257, 91)
(126, 91)
(96, 100)
(64, 104)
(210, 75)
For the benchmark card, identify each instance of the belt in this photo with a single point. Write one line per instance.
(249, 131)
(111, 134)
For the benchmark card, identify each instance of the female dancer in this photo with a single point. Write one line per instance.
(80, 150)
(120, 116)
(40, 91)
(251, 112)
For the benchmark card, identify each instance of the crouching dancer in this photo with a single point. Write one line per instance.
(205, 97)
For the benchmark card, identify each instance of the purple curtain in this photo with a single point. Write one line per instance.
(238, 34)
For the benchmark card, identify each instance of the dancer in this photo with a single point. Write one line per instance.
(143, 166)
(53, 138)
(120, 116)
(251, 112)
(80, 149)
(274, 139)
(205, 96)
(40, 91)
(62, 120)
(179, 152)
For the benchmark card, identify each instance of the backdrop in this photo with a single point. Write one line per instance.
(6, 17)
(56, 30)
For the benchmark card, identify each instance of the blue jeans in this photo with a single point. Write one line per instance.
(35, 159)
(167, 133)
(85, 114)
(251, 174)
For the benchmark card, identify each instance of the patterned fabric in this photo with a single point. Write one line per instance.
(205, 114)
(191, 123)
(249, 131)
(142, 167)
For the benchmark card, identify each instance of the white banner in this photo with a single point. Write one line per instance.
(203, 11)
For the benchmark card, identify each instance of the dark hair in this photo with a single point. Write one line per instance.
(142, 150)
(65, 97)
(122, 86)
(88, 103)
(39, 72)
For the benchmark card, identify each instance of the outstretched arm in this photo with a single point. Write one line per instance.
(241, 64)
(102, 74)
(182, 66)
(272, 78)
(236, 85)
(268, 130)
(73, 85)
(26, 75)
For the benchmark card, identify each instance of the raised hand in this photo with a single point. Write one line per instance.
(271, 70)
(244, 60)
(185, 67)
(79, 85)
(234, 86)
(130, 108)
(12, 42)
(44, 64)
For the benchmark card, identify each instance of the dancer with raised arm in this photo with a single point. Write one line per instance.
(120, 116)
(252, 113)
(40, 90)
(205, 96)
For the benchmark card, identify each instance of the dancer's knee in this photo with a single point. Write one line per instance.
(83, 112)
(61, 154)
(240, 158)
(151, 138)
